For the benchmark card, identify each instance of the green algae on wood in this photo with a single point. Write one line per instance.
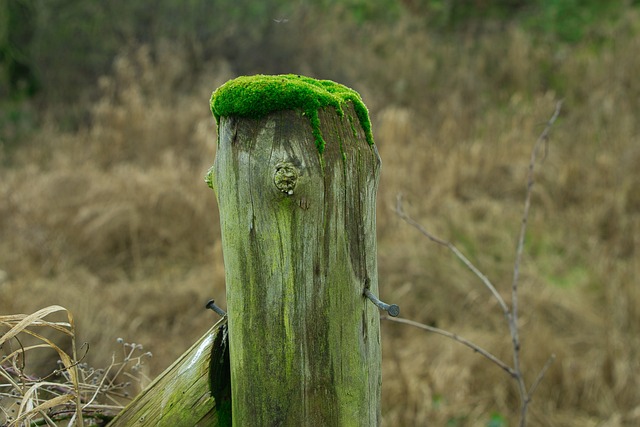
(299, 245)
(257, 96)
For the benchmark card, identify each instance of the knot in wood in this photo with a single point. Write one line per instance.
(286, 177)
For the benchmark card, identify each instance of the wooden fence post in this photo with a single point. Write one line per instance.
(296, 176)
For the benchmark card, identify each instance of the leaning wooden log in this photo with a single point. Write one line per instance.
(193, 391)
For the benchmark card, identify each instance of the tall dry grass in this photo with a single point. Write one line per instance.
(115, 223)
(464, 168)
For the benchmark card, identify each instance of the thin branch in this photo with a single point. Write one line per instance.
(485, 280)
(513, 321)
(456, 338)
(541, 374)
(100, 386)
(511, 315)
(542, 139)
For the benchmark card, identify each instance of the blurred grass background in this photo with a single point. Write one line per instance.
(106, 133)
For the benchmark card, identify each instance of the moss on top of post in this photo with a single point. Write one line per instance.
(256, 96)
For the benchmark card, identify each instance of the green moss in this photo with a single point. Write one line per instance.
(256, 96)
(353, 128)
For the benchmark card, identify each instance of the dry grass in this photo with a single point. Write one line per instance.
(74, 392)
(114, 221)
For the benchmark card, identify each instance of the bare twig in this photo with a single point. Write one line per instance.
(542, 139)
(511, 314)
(485, 280)
(513, 324)
(454, 337)
(541, 374)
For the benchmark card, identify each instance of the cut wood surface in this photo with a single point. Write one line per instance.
(183, 395)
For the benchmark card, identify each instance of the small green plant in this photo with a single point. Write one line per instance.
(497, 420)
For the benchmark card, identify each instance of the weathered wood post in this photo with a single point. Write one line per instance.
(296, 175)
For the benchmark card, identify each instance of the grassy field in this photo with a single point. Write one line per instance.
(111, 219)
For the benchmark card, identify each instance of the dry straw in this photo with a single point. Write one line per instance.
(31, 404)
(74, 392)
